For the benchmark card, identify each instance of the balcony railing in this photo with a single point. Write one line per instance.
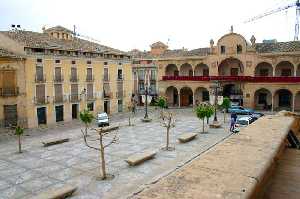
(90, 78)
(120, 94)
(41, 100)
(58, 79)
(107, 95)
(120, 78)
(9, 92)
(40, 78)
(74, 79)
(232, 78)
(74, 98)
(91, 96)
(59, 99)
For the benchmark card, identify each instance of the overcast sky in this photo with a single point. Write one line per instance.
(128, 24)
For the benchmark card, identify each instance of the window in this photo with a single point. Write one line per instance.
(239, 49)
(234, 71)
(286, 72)
(57, 61)
(223, 49)
(120, 106)
(205, 96)
(264, 72)
(106, 75)
(120, 74)
(90, 106)
(39, 60)
(73, 62)
(105, 63)
(206, 72)
(89, 62)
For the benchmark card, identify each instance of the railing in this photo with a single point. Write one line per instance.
(74, 98)
(40, 78)
(232, 78)
(107, 95)
(41, 100)
(120, 78)
(90, 78)
(74, 79)
(58, 78)
(91, 96)
(120, 94)
(59, 99)
(9, 92)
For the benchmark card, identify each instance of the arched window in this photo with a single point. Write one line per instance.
(239, 49)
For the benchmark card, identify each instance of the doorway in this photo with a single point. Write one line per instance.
(10, 115)
(75, 111)
(42, 115)
(59, 111)
(106, 107)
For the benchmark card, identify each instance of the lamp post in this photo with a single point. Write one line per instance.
(146, 117)
(216, 88)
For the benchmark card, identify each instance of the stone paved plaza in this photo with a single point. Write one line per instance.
(40, 168)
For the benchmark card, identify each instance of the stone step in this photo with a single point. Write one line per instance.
(140, 158)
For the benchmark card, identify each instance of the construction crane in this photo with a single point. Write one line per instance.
(295, 4)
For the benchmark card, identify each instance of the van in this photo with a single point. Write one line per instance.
(102, 119)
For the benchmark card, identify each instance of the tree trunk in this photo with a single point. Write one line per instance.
(129, 122)
(224, 115)
(19, 142)
(167, 147)
(203, 125)
(102, 158)
(86, 129)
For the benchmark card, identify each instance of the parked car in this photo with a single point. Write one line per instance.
(102, 119)
(244, 121)
(239, 110)
(256, 115)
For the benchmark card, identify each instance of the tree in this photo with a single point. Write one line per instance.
(19, 132)
(226, 105)
(168, 121)
(86, 117)
(102, 133)
(204, 111)
(131, 110)
(162, 104)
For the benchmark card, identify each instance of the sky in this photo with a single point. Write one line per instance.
(136, 24)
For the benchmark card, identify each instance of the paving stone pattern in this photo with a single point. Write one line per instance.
(40, 168)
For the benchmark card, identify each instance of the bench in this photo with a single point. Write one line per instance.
(57, 193)
(55, 141)
(140, 158)
(108, 128)
(186, 137)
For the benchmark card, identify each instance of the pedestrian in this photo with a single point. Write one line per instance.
(232, 124)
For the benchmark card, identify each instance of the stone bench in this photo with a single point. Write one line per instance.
(55, 141)
(57, 193)
(186, 137)
(140, 158)
(108, 128)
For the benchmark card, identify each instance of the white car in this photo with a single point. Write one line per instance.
(102, 119)
(244, 121)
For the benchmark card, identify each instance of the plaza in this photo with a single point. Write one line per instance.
(40, 168)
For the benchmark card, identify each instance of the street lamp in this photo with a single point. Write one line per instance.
(146, 117)
(216, 89)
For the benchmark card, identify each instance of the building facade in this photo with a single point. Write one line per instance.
(51, 76)
(264, 76)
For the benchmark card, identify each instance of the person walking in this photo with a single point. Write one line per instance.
(232, 124)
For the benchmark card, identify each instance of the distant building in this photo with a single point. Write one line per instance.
(51, 76)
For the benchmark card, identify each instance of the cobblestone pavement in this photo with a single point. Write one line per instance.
(38, 168)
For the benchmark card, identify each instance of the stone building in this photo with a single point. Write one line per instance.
(257, 75)
(51, 76)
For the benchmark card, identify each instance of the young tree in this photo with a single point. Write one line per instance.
(168, 121)
(226, 105)
(19, 132)
(86, 117)
(102, 133)
(204, 111)
(162, 104)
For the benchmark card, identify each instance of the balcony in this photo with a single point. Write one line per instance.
(74, 79)
(120, 79)
(232, 78)
(58, 79)
(90, 78)
(91, 96)
(41, 100)
(107, 95)
(40, 78)
(74, 98)
(9, 92)
(120, 94)
(59, 99)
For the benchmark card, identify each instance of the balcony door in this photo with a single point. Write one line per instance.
(8, 83)
(42, 115)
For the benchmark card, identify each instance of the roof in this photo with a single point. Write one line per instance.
(158, 44)
(6, 53)
(43, 40)
(290, 46)
(58, 28)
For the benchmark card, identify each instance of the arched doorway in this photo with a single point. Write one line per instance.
(264, 69)
(283, 99)
(172, 96)
(263, 99)
(285, 69)
(234, 93)
(297, 102)
(201, 70)
(231, 67)
(186, 70)
(201, 95)
(186, 96)
(171, 70)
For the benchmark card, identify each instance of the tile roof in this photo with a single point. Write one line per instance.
(43, 40)
(290, 46)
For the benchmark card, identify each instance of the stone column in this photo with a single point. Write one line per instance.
(272, 103)
(274, 69)
(179, 99)
(293, 105)
(295, 71)
(193, 99)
